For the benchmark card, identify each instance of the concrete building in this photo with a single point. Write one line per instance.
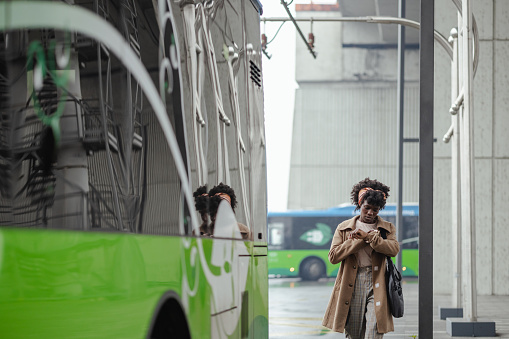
(345, 119)
(345, 123)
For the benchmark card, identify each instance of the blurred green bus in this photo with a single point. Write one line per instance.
(299, 240)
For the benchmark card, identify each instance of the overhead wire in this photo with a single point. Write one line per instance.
(275, 35)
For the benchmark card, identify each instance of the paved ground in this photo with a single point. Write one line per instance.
(296, 309)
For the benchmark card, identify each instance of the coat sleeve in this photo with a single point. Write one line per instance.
(340, 249)
(389, 246)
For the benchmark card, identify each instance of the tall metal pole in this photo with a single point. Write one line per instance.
(401, 102)
(426, 58)
(467, 171)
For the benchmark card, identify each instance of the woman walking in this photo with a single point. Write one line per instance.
(358, 304)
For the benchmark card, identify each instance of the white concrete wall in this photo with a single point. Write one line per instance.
(328, 41)
(445, 19)
(500, 151)
(491, 140)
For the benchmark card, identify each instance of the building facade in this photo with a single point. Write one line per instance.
(346, 122)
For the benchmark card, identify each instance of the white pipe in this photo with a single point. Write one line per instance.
(467, 171)
(449, 134)
(373, 20)
(457, 103)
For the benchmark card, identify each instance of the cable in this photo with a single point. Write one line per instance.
(276, 32)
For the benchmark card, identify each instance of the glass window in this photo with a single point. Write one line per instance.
(276, 234)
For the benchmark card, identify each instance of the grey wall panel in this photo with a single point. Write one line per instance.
(501, 19)
(484, 225)
(483, 11)
(500, 250)
(442, 100)
(442, 262)
(483, 102)
(344, 132)
(501, 99)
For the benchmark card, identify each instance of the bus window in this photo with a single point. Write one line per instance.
(410, 243)
(410, 230)
(411, 227)
(276, 235)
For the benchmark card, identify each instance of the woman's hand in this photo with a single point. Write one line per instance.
(357, 234)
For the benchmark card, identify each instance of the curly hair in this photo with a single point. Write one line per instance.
(201, 201)
(223, 188)
(214, 205)
(376, 197)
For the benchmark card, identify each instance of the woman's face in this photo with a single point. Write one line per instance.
(369, 212)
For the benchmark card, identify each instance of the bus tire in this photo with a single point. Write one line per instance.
(312, 269)
(169, 320)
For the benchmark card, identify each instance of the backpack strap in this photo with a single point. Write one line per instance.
(383, 233)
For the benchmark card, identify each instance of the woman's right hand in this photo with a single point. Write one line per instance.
(357, 234)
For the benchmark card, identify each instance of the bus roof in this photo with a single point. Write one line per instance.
(347, 210)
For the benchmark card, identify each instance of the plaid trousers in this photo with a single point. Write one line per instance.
(361, 322)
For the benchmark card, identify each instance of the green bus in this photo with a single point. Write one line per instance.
(112, 113)
(299, 240)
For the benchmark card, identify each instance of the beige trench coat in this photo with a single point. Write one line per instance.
(343, 250)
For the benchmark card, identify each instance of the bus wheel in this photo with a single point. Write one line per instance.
(312, 269)
(170, 320)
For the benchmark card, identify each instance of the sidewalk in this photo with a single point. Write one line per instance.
(296, 310)
(492, 308)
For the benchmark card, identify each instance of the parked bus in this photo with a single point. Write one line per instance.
(299, 240)
(112, 113)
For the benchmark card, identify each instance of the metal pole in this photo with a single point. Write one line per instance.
(298, 28)
(467, 171)
(426, 58)
(401, 102)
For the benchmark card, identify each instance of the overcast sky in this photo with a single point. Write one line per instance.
(279, 85)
